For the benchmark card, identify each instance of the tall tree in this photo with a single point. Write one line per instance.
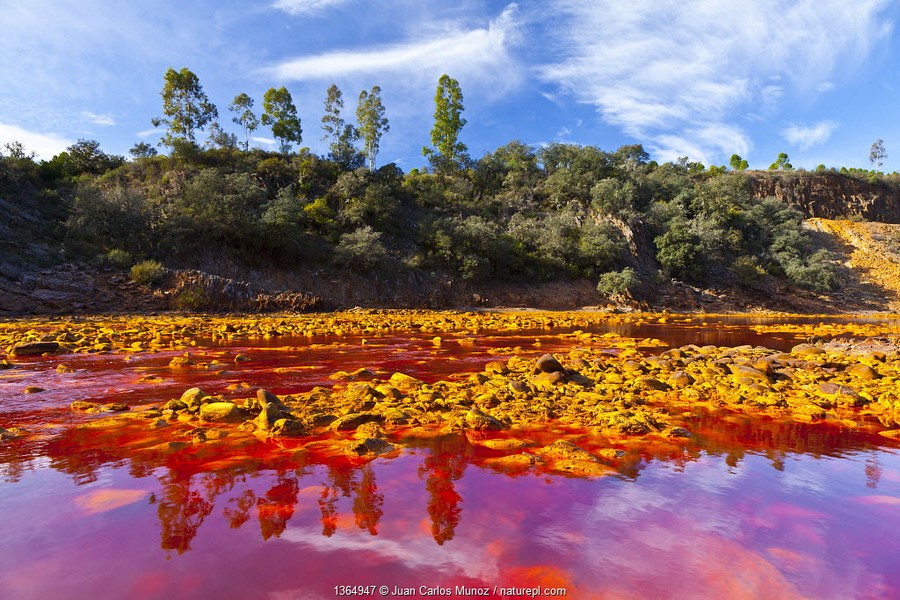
(738, 164)
(877, 154)
(185, 106)
(782, 163)
(447, 153)
(279, 112)
(342, 135)
(242, 107)
(372, 123)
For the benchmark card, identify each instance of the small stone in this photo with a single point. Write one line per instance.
(863, 372)
(33, 389)
(496, 367)
(368, 446)
(192, 397)
(64, 369)
(115, 407)
(82, 405)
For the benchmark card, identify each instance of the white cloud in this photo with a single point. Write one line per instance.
(262, 140)
(807, 136)
(45, 145)
(477, 54)
(825, 86)
(105, 120)
(147, 133)
(670, 73)
(304, 7)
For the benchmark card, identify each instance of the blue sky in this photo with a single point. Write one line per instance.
(818, 79)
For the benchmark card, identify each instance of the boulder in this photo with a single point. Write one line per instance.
(222, 412)
(481, 421)
(33, 348)
(548, 364)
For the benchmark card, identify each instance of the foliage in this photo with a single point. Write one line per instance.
(242, 107)
(782, 163)
(618, 285)
(185, 106)
(372, 123)
(142, 150)
(877, 154)
(280, 113)
(148, 272)
(118, 258)
(342, 136)
(361, 249)
(447, 153)
(737, 163)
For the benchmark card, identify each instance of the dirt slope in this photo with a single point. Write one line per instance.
(871, 253)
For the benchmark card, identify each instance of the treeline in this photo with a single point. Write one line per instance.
(516, 214)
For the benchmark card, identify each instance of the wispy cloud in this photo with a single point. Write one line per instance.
(671, 73)
(105, 120)
(262, 140)
(305, 7)
(481, 53)
(45, 145)
(807, 136)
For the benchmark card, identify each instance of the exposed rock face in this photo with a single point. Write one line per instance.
(830, 195)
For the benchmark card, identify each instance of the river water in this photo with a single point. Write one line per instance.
(748, 508)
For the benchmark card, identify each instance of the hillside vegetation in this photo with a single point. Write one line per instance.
(561, 225)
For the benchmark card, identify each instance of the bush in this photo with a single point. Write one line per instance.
(118, 258)
(748, 270)
(618, 284)
(148, 272)
(360, 250)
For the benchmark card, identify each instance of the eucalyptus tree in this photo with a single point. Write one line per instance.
(242, 107)
(447, 153)
(185, 106)
(372, 123)
(342, 136)
(280, 113)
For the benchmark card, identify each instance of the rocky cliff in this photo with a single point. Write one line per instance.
(831, 195)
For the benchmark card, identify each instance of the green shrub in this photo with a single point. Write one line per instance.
(192, 298)
(118, 258)
(748, 270)
(360, 250)
(148, 272)
(618, 284)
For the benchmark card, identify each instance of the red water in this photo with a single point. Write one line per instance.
(748, 509)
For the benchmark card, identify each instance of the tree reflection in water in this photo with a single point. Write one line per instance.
(192, 477)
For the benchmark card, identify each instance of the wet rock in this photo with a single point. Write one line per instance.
(5, 364)
(862, 371)
(395, 416)
(115, 407)
(288, 428)
(496, 367)
(806, 350)
(404, 382)
(222, 412)
(354, 420)
(64, 369)
(506, 445)
(514, 462)
(680, 380)
(159, 424)
(175, 405)
(548, 379)
(563, 449)
(33, 389)
(369, 430)
(481, 421)
(33, 348)
(193, 398)
(519, 387)
(651, 383)
(369, 446)
(549, 364)
(181, 362)
(841, 394)
(746, 374)
(677, 432)
(82, 405)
